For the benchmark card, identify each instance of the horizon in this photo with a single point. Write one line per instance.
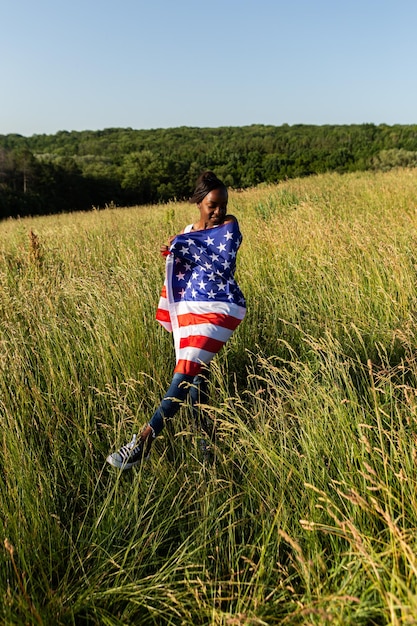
(162, 128)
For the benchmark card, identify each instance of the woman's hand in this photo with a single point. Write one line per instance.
(164, 250)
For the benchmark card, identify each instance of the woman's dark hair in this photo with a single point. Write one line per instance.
(206, 182)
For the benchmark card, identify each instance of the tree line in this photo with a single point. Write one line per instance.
(69, 171)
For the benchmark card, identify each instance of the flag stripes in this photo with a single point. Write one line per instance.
(201, 302)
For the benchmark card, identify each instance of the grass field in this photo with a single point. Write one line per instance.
(308, 512)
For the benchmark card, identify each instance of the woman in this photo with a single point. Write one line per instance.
(201, 304)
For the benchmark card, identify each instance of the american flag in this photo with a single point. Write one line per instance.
(201, 303)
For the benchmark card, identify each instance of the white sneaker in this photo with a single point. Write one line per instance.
(129, 455)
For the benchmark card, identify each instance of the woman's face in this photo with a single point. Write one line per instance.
(213, 208)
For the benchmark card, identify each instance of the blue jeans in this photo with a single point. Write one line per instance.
(181, 385)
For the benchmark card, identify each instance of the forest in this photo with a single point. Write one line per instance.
(81, 170)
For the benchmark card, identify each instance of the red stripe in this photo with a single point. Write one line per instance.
(164, 292)
(188, 367)
(162, 315)
(200, 341)
(219, 319)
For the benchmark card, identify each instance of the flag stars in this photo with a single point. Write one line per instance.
(201, 271)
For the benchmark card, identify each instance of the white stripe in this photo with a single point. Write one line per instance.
(196, 355)
(200, 307)
(163, 303)
(166, 325)
(207, 330)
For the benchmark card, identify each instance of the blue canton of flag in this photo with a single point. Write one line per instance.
(205, 263)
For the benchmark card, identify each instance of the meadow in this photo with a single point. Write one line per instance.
(306, 512)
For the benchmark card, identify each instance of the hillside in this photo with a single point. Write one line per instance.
(69, 171)
(307, 511)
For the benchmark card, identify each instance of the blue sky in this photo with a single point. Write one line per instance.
(90, 64)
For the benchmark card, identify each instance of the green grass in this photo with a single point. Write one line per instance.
(308, 513)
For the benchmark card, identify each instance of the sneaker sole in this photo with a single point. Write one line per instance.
(124, 466)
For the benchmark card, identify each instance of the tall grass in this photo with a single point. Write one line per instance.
(307, 512)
